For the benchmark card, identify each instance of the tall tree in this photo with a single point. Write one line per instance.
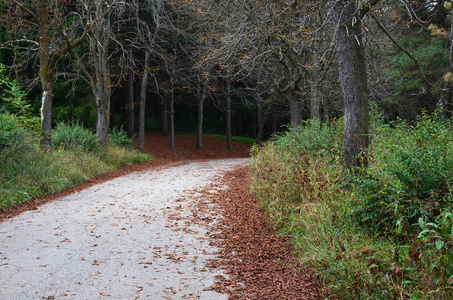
(348, 21)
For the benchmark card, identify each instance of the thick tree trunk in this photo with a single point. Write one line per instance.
(143, 88)
(130, 103)
(314, 101)
(103, 93)
(46, 111)
(353, 78)
(295, 109)
(103, 113)
(101, 84)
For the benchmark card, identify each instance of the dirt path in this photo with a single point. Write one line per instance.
(125, 238)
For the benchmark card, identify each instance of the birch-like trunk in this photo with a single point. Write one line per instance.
(48, 82)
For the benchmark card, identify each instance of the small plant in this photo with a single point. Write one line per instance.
(74, 137)
(119, 137)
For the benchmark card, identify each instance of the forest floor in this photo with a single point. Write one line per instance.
(215, 215)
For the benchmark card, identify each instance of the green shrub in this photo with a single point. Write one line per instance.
(410, 178)
(14, 139)
(119, 137)
(75, 137)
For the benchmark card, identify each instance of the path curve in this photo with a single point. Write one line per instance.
(126, 238)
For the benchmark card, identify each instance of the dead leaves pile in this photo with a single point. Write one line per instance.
(258, 263)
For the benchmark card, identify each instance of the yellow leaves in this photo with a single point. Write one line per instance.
(448, 78)
(447, 5)
(436, 31)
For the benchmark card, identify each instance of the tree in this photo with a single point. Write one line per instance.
(348, 17)
(50, 29)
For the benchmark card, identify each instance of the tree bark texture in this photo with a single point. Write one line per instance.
(101, 84)
(296, 107)
(353, 78)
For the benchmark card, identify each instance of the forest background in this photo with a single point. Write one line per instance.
(360, 92)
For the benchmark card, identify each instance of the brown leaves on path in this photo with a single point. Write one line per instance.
(258, 262)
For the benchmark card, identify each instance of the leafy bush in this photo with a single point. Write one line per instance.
(411, 177)
(14, 138)
(119, 137)
(74, 137)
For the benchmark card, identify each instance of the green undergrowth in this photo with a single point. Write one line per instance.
(385, 233)
(28, 171)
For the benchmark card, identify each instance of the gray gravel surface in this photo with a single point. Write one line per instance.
(126, 238)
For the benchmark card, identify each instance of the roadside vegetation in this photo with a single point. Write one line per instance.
(27, 170)
(381, 233)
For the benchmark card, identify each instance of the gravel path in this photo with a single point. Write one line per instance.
(126, 238)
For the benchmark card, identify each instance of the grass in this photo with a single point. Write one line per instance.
(301, 184)
(28, 171)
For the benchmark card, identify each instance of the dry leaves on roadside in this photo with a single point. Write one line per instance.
(259, 263)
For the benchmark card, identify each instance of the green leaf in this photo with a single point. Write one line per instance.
(440, 244)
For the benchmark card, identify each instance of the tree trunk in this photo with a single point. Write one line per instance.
(228, 116)
(353, 78)
(295, 109)
(47, 74)
(130, 103)
(101, 84)
(200, 115)
(46, 109)
(314, 101)
(172, 119)
(259, 120)
(164, 117)
(144, 86)
(103, 93)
